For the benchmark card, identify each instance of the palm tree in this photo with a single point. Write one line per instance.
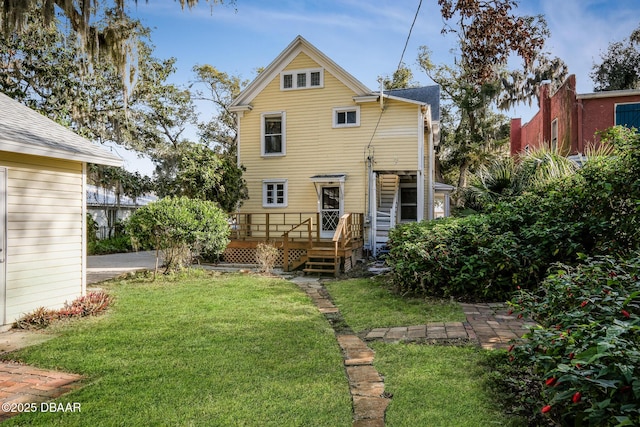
(507, 177)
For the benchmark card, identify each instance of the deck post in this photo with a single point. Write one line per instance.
(285, 251)
(267, 219)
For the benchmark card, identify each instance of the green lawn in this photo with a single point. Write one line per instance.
(369, 303)
(227, 350)
(436, 386)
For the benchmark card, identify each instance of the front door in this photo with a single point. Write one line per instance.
(3, 243)
(329, 210)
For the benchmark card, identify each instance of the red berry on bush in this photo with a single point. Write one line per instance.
(551, 381)
(625, 313)
(546, 409)
(576, 397)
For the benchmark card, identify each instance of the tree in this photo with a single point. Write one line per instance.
(112, 41)
(402, 78)
(489, 34)
(620, 66)
(196, 171)
(220, 89)
(181, 228)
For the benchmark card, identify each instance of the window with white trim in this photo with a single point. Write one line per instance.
(346, 117)
(274, 193)
(302, 79)
(273, 134)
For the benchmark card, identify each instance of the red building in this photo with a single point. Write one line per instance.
(569, 121)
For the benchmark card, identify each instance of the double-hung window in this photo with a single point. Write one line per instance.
(302, 79)
(346, 117)
(273, 134)
(274, 193)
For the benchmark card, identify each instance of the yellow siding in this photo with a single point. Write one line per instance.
(314, 147)
(44, 232)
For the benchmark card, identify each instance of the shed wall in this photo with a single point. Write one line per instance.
(45, 232)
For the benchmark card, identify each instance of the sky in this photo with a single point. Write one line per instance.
(365, 37)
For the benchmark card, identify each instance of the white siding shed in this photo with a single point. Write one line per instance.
(42, 210)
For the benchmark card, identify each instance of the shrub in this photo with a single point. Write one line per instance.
(587, 347)
(113, 245)
(181, 228)
(266, 255)
(40, 318)
(91, 304)
(486, 256)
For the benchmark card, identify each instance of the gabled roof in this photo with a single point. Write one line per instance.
(25, 131)
(427, 95)
(297, 46)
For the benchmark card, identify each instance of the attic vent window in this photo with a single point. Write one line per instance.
(302, 79)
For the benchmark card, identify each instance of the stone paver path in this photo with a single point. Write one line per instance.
(487, 325)
(22, 384)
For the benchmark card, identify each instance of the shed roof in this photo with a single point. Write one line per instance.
(23, 130)
(427, 94)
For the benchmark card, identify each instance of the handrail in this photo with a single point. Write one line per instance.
(285, 240)
(343, 233)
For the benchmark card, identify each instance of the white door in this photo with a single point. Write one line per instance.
(329, 210)
(3, 243)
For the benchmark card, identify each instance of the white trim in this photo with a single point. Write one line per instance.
(285, 188)
(283, 148)
(83, 283)
(297, 46)
(58, 153)
(294, 79)
(609, 94)
(422, 116)
(615, 108)
(354, 108)
(340, 184)
(3, 244)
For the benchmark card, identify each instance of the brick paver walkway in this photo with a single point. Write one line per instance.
(487, 325)
(23, 384)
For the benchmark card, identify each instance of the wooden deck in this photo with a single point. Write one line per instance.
(297, 236)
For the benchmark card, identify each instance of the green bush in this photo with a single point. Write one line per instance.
(114, 245)
(587, 347)
(181, 228)
(486, 256)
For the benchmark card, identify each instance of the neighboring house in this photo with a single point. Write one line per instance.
(322, 149)
(108, 211)
(42, 210)
(568, 121)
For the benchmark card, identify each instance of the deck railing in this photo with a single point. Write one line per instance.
(267, 226)
(271, 226)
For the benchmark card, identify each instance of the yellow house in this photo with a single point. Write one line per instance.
(42, 210)
(329, 161)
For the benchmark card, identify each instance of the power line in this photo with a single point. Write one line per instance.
(409, 35)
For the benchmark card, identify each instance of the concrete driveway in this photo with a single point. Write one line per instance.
(104, 267)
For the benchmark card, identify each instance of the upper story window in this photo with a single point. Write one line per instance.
(628, 115)
(273, 134)
(346, 117)
(302, 79)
